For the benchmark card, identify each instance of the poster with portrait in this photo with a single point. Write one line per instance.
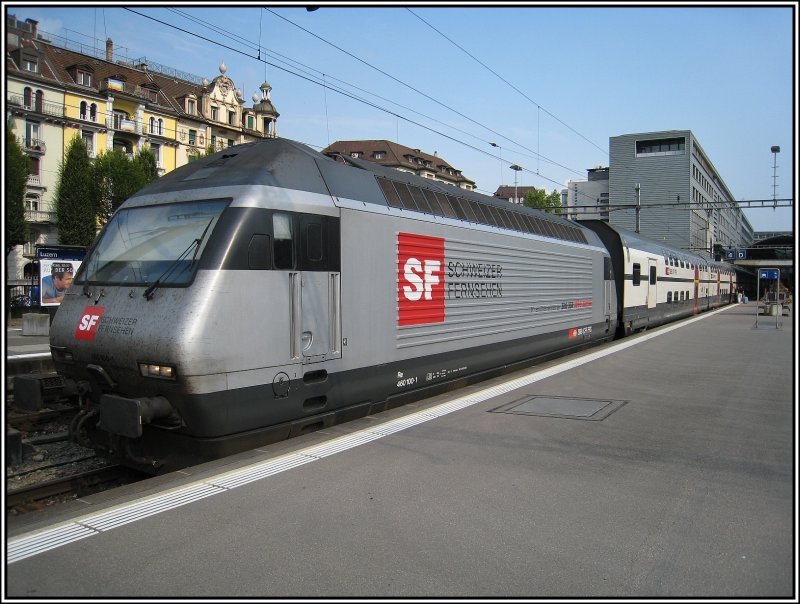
(57, 268)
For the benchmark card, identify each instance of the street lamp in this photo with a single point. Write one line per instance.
(775, 150)
(516, 169)
(501, 162)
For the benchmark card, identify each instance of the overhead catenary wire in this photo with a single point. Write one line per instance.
(344, 93)
(410, 87)
(308, 69)
(477, 60)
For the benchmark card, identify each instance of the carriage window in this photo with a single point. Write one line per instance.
(637, 273)
(652, 275)
(283, 248)
(669, 297)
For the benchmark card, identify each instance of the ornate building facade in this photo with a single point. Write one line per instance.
(57, 90)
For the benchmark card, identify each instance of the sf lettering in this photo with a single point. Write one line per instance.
(422, 276)
(88, 321)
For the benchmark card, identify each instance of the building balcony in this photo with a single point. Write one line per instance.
(44, 108)
(34, 180)
(33, 144)
(122, 124)
(40, 216)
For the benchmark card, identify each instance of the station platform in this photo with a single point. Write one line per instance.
(658, 466)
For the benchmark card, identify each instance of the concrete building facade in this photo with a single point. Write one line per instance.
(683, 198)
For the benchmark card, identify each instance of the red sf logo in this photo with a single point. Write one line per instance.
(420, 281)
(89, 322)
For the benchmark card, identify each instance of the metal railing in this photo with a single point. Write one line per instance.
(39, 216)
(43, 107)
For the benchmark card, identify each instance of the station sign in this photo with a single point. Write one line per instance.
(768, 273)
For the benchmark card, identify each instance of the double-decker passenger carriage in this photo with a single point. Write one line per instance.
(656, 283)
(268, 290)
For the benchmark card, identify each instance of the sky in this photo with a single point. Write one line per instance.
(549, 85)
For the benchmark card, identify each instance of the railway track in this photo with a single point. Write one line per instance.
(64, 488)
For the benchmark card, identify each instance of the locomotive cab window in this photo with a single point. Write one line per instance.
(283, 247)
(163, 243)
(637, 273)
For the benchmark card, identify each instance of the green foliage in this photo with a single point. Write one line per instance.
(539, 199)
(116, 178)
(17, 170)
(76, 196)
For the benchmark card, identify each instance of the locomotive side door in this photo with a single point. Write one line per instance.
(316, 292)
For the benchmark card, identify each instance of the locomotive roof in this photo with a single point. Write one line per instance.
(288, 164)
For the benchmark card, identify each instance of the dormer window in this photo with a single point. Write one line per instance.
(30, 63)
(379, 155)
(191, 106)
(356, 154)
(84, 78)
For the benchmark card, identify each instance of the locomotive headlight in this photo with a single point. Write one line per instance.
(164, 372)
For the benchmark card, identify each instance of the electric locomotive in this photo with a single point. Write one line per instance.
(268, 290)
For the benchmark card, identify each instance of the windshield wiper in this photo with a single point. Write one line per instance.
(195, 244)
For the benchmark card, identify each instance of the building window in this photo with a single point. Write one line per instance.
(379, 155)
(191, 106)
(84, 105)
(84, 78)
(213, 113)
(27, 96)
(30, 64)
(193, 137)
(152, 125)
(156, 149)
(355, 154)
(93, 112)
(664, 146)
(34, 166)
(32, 202)
(88, 138)
(231, 142)
(40, 101)
(232, 118)
(31, 133)
(250, 123)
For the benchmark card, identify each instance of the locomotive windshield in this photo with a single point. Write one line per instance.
(161, 243)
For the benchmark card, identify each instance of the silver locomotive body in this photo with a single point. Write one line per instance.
(269, 290)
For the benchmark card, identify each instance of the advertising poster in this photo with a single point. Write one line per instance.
(57, 268)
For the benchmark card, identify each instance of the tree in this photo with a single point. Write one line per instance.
(76, 196)
(539, 199)
(17, 170)
(117, 178)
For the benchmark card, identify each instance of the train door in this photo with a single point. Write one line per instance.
(316, 316)
(652, 288)
(316, 321)
(696, 289)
